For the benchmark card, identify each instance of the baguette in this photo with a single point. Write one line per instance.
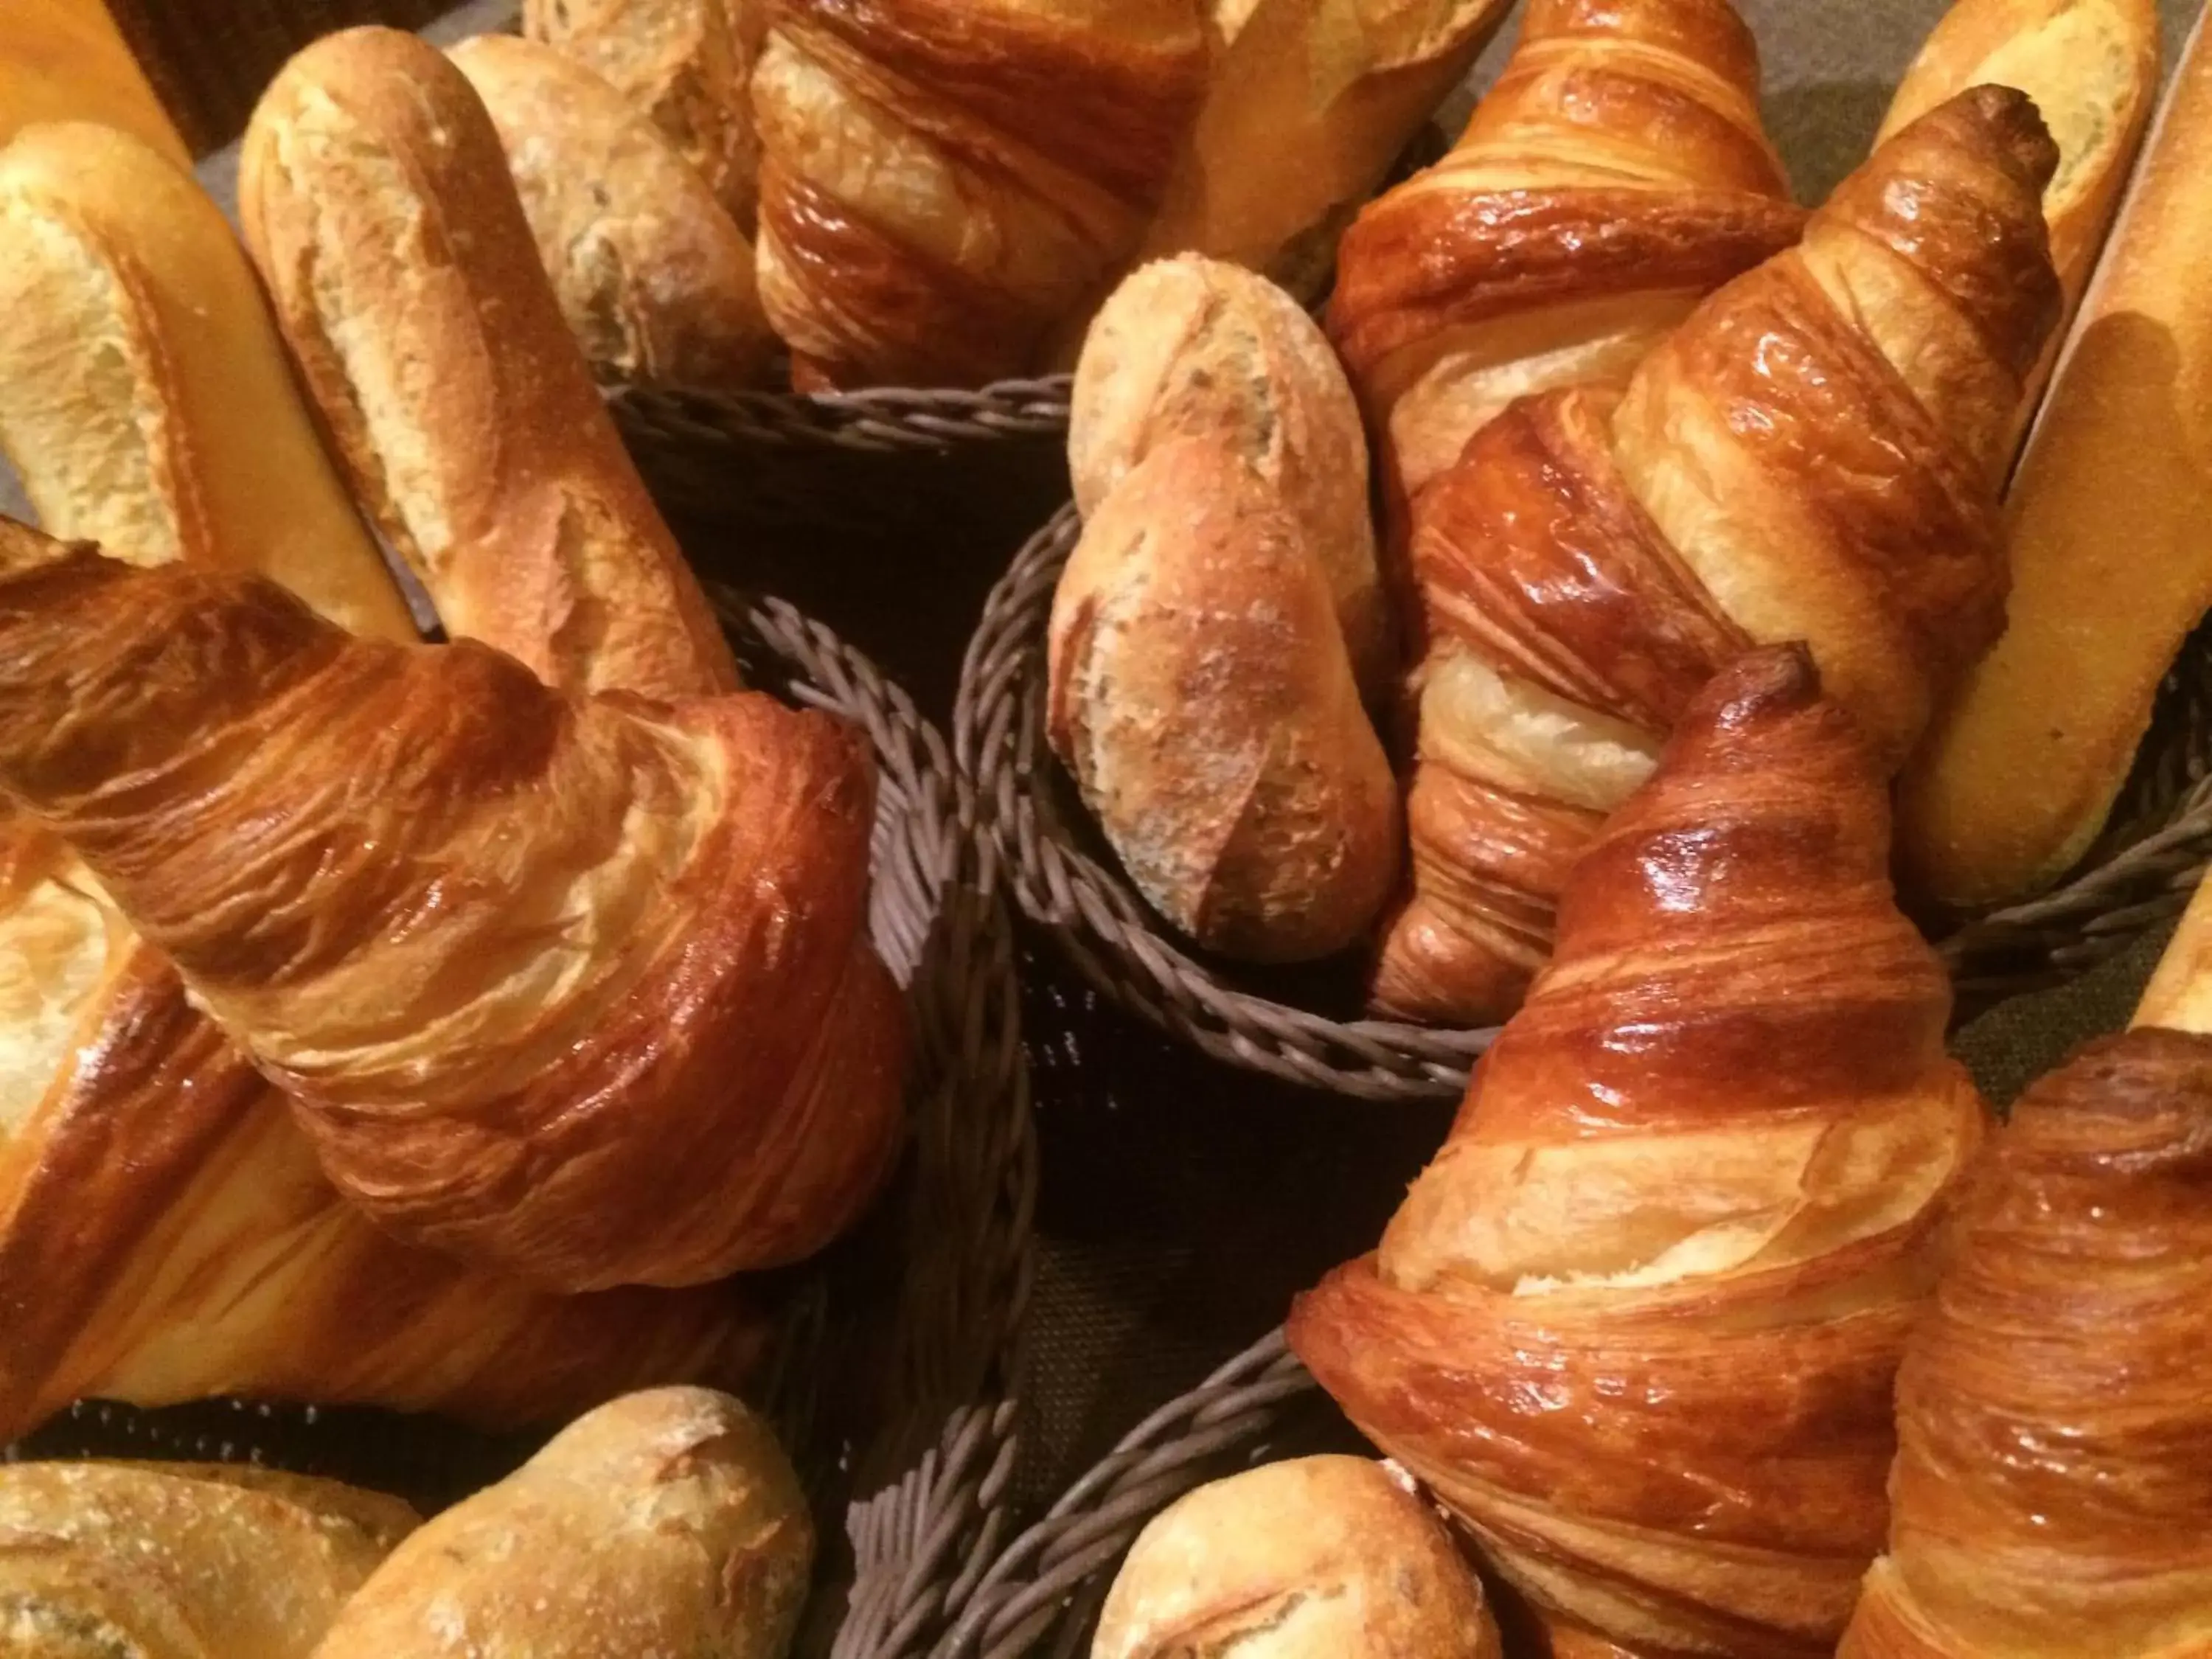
(2112, 561)
(663, 1524)
(655, 279)
(1308, 103)
(2092, 67)
(180, 433)
(64, 60)
(686, 65)
(377, 202)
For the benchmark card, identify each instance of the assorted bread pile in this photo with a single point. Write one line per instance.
(1725, 1323)
(666, 1522)
(1631, 413)
(434, 1026)
(935, 192)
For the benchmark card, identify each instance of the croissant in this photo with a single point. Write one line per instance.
(1637, 1324)
(165, 1231)
(663, 1524)
(578, 989)
(1616, 172)
(2053, 1492)
(1814, 454)
(181, 1560)
(944, 182)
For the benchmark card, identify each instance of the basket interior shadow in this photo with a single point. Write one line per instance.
(897, 1352)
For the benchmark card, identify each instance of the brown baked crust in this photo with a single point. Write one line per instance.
(375, 198)
(1039, 144)
(2054, 1465)
(1812, 455)
(578, 989)
(1637, 1324)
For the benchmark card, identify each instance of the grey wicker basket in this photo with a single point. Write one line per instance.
(1068, 883)
(923, 1487)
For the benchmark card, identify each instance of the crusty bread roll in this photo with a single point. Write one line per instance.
(1202, 686)
(686, 65)
(2111, 564)
(655, 279)
(1191, 346)
(376, 200)
(144, 396)
(1308, 104)
(180, 1560)
(1320, 1557)
(64, 60)
(666, 1522)
(2092, 67)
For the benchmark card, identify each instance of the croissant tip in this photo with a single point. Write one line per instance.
(2014, 126)
(1773, 679)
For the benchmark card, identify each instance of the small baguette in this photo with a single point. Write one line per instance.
(686, 65)
(655, 279)
(2111, 552)
(144, 396)
(2092, 67)
(666, 1523)
(376, 200)
(64, 60)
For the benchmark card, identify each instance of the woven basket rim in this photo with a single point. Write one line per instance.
(940, 1504)
(1042, 1592)
(874, 420)
(2140, 875)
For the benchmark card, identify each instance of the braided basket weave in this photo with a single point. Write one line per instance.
(926, 1480)
(1067, 881)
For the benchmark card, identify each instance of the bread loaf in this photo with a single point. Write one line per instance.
(655, 279)
(666, 1522)
(2092, 67)
(144, 395)
(686, 65)
(1308, 104)
(64, 60)
(1202, 687)
(377, 202)
(181, 1560)
(2111, 566)
(1319, 1558)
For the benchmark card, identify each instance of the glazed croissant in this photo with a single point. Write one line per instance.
(1615, 174)
(2053, 1482)
(944, 181)
(1637, 1324)
(1812, 455)
(181, 1560)
(576, 988)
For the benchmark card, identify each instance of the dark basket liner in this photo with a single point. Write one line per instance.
(2139, 875)
(928, 1302)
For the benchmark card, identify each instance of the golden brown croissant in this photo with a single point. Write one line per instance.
(2052, 1493)
(576, 988)
(663, 1524)
(1615, 174)
(181, 1560)
(944, 181)
(1637, 1324)
(1812, 455)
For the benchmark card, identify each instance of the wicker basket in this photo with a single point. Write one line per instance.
(1068, 883)
(1041, 1596)
(930, 1472)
